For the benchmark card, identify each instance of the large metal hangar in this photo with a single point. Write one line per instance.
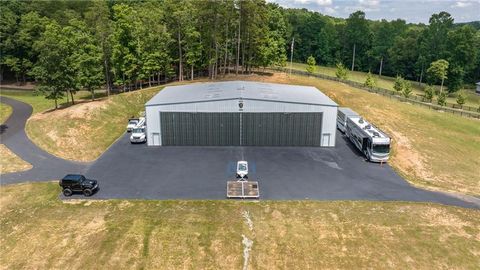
(241, 113)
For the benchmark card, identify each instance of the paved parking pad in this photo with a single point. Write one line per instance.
(285, 173)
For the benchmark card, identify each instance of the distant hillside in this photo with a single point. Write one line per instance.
(475, 24)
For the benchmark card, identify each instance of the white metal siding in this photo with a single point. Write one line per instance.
(329, 113)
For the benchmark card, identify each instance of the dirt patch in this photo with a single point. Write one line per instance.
(9, 162)
(407, 159)
(82, 109)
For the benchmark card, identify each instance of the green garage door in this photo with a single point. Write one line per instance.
(202, 129)
(281, 129)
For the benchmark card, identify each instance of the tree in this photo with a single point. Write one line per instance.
(433, 42)
(54, 70)
(370, 81)
(429, 93)
(341, 72)
(442, 99)
(357, 35)
(399, 84)
(454, 82)
(384, 35)
(87, 57)
(404, 54)
(311, 65)
(407, 89)
(462, 54)
(97, 18)
(438, 71)
(124, 49)
(461, 99)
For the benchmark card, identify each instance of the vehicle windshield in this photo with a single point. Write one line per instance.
(242, 167)
(133, 122)
(381, 148)
(82, 178)
(138, 130)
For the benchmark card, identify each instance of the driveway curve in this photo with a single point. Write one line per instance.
(45, 166)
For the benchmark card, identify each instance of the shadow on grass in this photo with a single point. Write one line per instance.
(65, 105)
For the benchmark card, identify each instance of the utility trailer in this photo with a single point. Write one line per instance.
(369, 139)
(342, 116)
(243, 190)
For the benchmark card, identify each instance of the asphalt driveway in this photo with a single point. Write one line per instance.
(284, 173)
(45, 166)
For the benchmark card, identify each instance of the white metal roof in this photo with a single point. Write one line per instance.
(347, 111)
(211, 91)
(371, 130)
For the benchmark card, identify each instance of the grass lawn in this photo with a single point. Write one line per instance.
(9, 162)
(5, 111)
(40, 103)
(387, 83)
(431, 149)
(84, 131)
(40, 232)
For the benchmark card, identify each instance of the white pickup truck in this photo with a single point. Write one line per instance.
(135, 122)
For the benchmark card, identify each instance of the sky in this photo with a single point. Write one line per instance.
(412, 11)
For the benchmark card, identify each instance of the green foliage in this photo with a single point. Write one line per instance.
(341, 72)
(399, 84)
(454, 82)
(138, 41)
(429, 93)
(370, 81)
(357, 34)
(407, 89)
(55, 69)
(311, 65)
(438, 70)
(461, 98)
(442, 99)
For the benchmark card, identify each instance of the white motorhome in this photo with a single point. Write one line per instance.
(369, 139)
(342, 115)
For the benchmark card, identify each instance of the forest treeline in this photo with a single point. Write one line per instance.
(70, 45)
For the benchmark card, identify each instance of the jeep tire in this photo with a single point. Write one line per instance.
(87, 192)
(67, 192)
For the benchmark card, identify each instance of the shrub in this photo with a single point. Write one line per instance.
(398, 84)
(407, 89)
(442, 99)
(311, 64)
(342, 72)
(429, 93)
(370, 81)
(461, 99)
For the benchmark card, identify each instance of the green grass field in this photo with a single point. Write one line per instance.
(387, 83)
(40, 103)
(41, 232)
(5, 111)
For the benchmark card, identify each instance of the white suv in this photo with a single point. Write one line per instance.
(138, 135)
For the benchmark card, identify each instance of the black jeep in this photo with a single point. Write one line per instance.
(78, 183)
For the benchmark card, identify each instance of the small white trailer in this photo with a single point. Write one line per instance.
(342, 115)
(369, 139)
